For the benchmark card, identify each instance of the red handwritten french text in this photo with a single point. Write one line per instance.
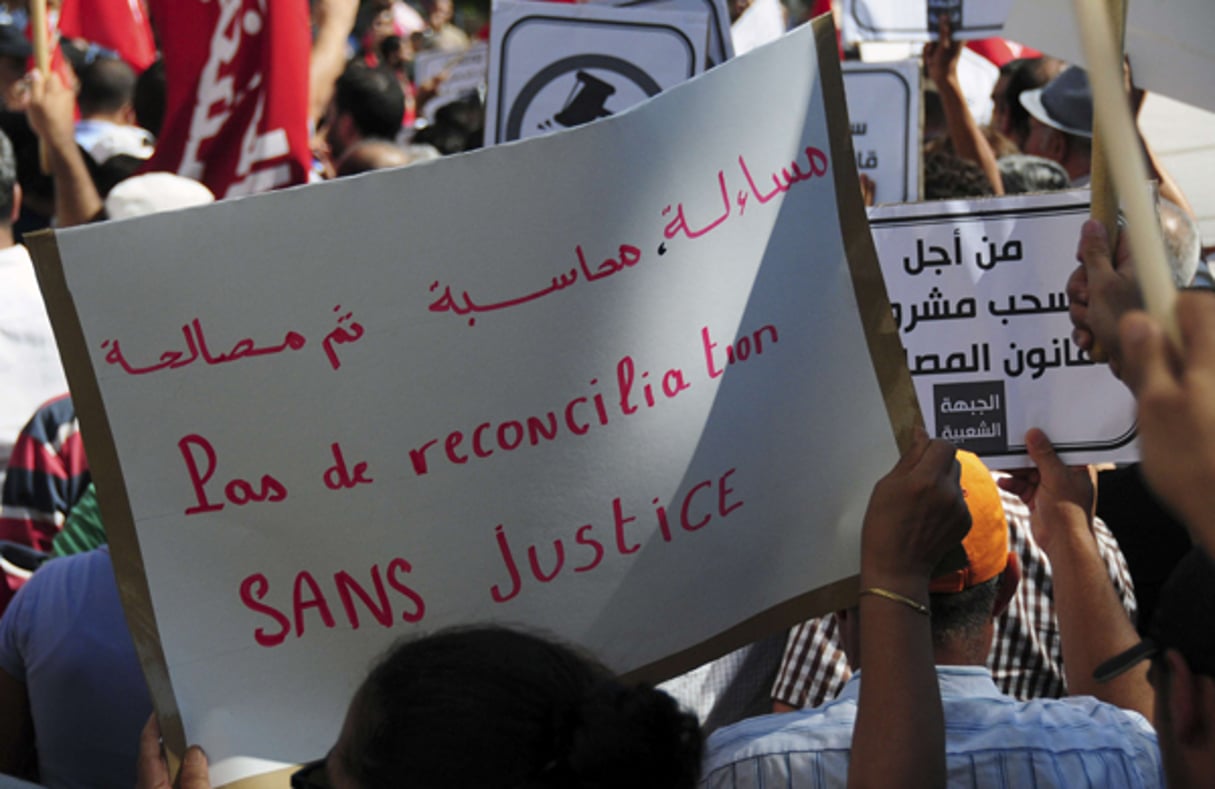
(340, 476)
(694, 510)
(237, 491)
(633, 391)
(738, 351)
(309, 601)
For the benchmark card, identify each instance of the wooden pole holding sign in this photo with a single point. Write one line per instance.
(42, 59)
(1124, 157)
(1105, 197)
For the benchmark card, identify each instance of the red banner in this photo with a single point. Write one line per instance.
(119, 25)
(236, 115)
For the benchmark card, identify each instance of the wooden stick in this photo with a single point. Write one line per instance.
(1125, 159)
(1105, 199)
(42, 60)
(1104, 196)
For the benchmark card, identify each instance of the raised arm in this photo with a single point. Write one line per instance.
(941, 59)
(915, 515)
(1176, 393)
(1169, 189)
(1093, 625)
(50, 107)
(333, 19)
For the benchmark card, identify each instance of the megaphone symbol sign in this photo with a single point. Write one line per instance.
(585, 102)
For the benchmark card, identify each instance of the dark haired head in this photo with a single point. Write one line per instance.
(962, 615)
(373, 99)
(947, 176)
(1016, 77)
(458, 126)
(491, 707)
(107, 85)
(150, 98)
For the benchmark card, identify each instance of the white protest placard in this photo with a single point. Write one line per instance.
(978, 292)
(721, 46)
(884, 116)
(556, 66)
(466, 73)
(1169, 44)
(615, 384)
(917, 20)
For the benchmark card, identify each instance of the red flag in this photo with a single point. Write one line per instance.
(236, 104)
(119, 25)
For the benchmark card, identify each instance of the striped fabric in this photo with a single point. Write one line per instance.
(47, 473)
(1026, 658)
(991, 740)
(83, 531)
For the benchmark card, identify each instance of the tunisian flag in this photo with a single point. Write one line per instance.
(120, 25)
(236, 104)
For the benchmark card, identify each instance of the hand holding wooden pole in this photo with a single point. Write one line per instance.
(42, 59)
(1123, 156)
(1104, 196)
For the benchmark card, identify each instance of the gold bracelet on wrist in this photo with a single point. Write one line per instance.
(877, 591)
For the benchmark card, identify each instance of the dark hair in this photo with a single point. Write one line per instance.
(960, 615)
(112, 171)
(1026, 74)
(106, 85)
(1001, 146)
(948, 176)
(373, 98)
(8, 179)
(491, 707)
(150, 98)
(458, 126)
(389, 47)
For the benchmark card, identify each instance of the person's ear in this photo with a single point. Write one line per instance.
(1009, 580)
(1180, 697)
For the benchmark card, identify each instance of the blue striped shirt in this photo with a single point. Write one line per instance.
(991, 740)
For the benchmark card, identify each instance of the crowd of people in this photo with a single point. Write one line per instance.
(1068, 650)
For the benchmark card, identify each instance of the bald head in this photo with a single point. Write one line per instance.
(1181, 241)
(107, 87)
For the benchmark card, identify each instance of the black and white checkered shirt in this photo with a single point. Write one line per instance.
(1026, 659)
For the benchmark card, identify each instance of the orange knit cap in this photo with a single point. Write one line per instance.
(986, 545)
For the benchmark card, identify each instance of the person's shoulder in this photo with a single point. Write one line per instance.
(1086, 740)
(1093, 710)
(828, 727)
(1050, 724)
(15, 260)
(72, 575)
